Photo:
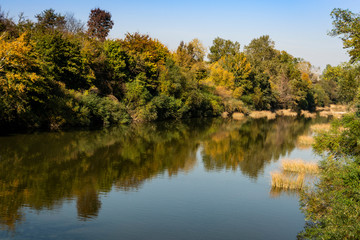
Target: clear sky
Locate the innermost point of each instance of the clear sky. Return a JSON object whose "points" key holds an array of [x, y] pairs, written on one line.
{"points": [[297, 26]]}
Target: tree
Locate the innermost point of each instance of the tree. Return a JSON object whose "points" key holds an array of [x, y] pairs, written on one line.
{"points": [[190, 53], [220, 76], [222, 48], [261, 49], [341, 82], [347, 25], [20, 84], [141, 54], [7, 24], [50, 20], [61, 59], [99, 24], [73, 25]]}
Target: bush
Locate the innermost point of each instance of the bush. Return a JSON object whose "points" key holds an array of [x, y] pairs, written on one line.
{"points": [[104, 110], [167, 107], [333, 206], [198, 104]]}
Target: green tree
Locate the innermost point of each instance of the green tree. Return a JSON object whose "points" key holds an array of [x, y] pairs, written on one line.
{"points": [[260, 49], [346, 25], [341, 82], [61, 59], [223, 48], [49, 20]]}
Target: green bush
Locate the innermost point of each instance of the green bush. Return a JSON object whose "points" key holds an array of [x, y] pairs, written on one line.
{"points": [[199, 103], [333, 206], [104, 110], [167, 107]]}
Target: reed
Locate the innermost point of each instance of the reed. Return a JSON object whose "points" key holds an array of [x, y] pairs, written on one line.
{"points": [[286, 112], [238, 116], [336, 111], [262, 114], [308, 114], [277, 192], [299, 166], [320, 127], [325, 113], [225, 115], [305, 141], [338, 108], [318, 109], [338, 114], [286, 181]]}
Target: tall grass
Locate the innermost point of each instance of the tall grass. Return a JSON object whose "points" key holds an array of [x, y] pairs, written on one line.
{"points": [[294, 175], [286, 112], [308, 114], [238, 116], [287, 181], [338, 108], [299, 166], [262, 114], [320, 127], [331, 113], [335, 111], [305, 141]]}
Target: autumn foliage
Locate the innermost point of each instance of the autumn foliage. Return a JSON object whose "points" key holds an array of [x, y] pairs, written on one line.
{"points": [[99, 24], [54, 74]]}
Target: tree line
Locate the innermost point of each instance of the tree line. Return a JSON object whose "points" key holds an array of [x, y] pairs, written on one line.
{"points": [[55, 73]]}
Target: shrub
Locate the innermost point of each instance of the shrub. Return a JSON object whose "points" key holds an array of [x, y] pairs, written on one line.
{"points": [[167, 107], [104, 110], [198, 104]]}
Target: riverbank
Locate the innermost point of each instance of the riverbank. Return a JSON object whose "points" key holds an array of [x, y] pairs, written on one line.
{"points": [[332, 111]]}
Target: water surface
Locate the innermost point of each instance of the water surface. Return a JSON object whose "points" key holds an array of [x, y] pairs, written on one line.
{"points": [[196, 179]]}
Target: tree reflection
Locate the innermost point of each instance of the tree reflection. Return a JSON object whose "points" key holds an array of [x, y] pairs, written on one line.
{"points": [[250, 145], [42, 170]]}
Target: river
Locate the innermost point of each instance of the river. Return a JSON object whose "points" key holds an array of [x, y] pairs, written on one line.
{"points": [[193, 179]]}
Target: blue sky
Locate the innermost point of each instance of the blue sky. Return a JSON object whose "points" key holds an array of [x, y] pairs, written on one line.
{"points": [[298, 27]]}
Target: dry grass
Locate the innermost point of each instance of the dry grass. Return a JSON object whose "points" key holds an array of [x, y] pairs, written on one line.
{"points": [[338, 114], [223, 92], [225, 115], [318, 109], [277, 192], [305, 141], [262, 114], [323, 127], [238, 116], [299, 166], [286, 112], [286, 181], [338, 108], [332, 113], [336, 111], [325, 114], [308, 114]]}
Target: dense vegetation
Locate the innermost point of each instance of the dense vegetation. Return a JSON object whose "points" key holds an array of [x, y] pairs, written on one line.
{"points": [[54, 73], [332, 206]]}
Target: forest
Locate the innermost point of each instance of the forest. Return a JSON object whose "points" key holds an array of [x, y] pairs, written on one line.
{"points": [[57, 72]]}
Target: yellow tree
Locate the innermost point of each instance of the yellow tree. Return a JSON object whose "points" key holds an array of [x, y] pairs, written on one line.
{"points": [[220, 76], [232, 72], [19, 82]]}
